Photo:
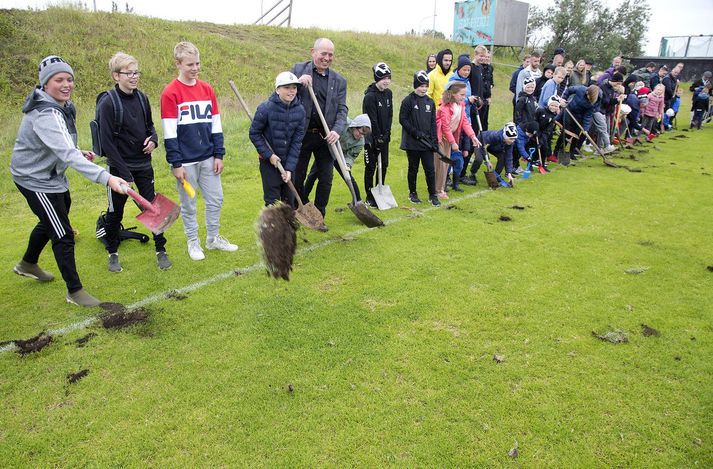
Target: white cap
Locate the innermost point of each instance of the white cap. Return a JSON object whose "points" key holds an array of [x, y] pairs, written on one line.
{"points": [[286, 78]]}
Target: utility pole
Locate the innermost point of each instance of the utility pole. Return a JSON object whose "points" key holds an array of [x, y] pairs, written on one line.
{"points": [[433, 30]]}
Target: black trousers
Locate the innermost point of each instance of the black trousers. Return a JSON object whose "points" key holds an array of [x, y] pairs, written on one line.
{"points": [[484, 112], [313, 143], [144, 183], [371, 158], [312, 177], [426, 160], [576, 144], [274, 188], [53, 212]]}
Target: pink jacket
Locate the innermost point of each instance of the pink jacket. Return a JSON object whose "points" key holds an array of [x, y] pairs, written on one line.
{"points": [[443, 123], [655, 106]]}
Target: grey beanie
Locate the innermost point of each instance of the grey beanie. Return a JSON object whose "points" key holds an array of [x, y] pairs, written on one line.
{"points": [[362, 120], [52, 65]]}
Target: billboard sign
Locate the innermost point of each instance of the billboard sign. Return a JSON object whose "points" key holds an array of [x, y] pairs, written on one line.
{"points": [[474, 22]]}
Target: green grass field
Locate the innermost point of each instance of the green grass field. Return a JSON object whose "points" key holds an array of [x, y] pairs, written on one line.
{"points": [[381, 349]]}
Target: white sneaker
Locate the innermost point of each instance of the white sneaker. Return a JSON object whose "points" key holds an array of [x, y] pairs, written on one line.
{"points": [[220, 243], [587, 147], [519, 170], [195, 251], [609, 149]]}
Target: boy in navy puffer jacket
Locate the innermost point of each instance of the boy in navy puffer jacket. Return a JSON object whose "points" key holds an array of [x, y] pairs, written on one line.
{"points": [[277, 129]]}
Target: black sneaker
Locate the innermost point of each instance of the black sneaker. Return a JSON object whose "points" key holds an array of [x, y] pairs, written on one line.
{"points": [[413, 197], [434, 201], [370, 202], [469, 180]]}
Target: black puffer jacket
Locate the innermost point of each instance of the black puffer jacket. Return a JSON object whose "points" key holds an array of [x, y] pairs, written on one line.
{"points": [[282, 126]]}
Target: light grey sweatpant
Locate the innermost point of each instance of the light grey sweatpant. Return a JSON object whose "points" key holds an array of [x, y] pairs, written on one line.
{"points": [[600, 123], [207, 183]]}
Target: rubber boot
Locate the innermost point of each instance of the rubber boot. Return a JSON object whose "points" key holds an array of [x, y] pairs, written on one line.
{"points": [[456, 183]]}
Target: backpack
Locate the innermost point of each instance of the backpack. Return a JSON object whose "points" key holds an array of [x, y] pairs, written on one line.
{"points": [[113, 95], [124, 233]]}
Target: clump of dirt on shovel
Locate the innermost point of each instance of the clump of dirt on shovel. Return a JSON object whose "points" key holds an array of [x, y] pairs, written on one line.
{"points": [[74, 377], [117, 316], [34, 344], [277, 236]]}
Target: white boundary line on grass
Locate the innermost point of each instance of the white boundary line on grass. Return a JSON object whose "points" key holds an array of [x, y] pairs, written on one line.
{"points": [[246, 270]]}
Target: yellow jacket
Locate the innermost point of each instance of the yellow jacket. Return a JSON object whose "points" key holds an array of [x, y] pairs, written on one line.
{"points": [[437, 84]]}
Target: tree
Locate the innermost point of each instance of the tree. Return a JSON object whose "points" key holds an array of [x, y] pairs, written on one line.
{"points": [[588, 29]]}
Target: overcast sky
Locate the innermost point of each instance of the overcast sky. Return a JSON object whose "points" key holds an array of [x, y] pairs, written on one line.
{"points": [[668, 17]]}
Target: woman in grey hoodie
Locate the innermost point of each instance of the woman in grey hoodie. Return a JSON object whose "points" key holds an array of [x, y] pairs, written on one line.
{"points": [[45, 147]]}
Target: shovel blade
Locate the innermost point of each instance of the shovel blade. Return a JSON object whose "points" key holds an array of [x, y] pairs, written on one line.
{"points": [[542, 170], [165, 213], [308, 215], [492, 180], [364, 215], [383, 197], [526, 174]]}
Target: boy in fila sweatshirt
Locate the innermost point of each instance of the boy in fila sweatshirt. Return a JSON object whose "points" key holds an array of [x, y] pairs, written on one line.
{"points": [[194, 147]]}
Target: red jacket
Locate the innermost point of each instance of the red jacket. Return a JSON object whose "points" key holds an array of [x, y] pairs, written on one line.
{"points": [[443, 123]]}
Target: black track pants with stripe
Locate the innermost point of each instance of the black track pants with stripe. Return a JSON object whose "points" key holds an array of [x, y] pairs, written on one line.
{"points": [[53, 212]]}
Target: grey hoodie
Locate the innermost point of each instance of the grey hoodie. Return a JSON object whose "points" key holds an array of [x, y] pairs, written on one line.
{"points": [[46, 145]]}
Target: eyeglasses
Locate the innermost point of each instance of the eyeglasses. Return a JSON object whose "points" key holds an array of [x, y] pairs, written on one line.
{"points": [[131, 74]]}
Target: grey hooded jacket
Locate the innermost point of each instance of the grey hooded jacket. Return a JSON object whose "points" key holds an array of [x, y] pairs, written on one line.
{"points": [[46, 145]]}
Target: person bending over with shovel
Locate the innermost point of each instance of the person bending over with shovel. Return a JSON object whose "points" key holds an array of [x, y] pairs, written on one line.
{"points": [[46, 145], [352, 142], [499, 143], [277, 129]]}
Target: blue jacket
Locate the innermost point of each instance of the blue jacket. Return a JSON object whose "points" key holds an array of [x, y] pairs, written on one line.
{"points": [[580, 106], [280, 125], [513, 79], [494, 141]]}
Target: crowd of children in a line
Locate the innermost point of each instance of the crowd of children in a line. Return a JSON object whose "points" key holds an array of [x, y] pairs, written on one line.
{"points": [[445, 115]]}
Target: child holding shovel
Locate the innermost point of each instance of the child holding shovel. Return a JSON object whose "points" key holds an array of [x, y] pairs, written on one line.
{"points": [[277, 129], [46, 145], [451, 120], [378, 105], [419, 136]]}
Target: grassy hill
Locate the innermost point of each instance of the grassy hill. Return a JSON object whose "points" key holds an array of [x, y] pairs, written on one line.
{"points": [[250, 55]]}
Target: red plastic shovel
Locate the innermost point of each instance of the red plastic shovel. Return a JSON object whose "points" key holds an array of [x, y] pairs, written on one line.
{"points": [[158, 215]]}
